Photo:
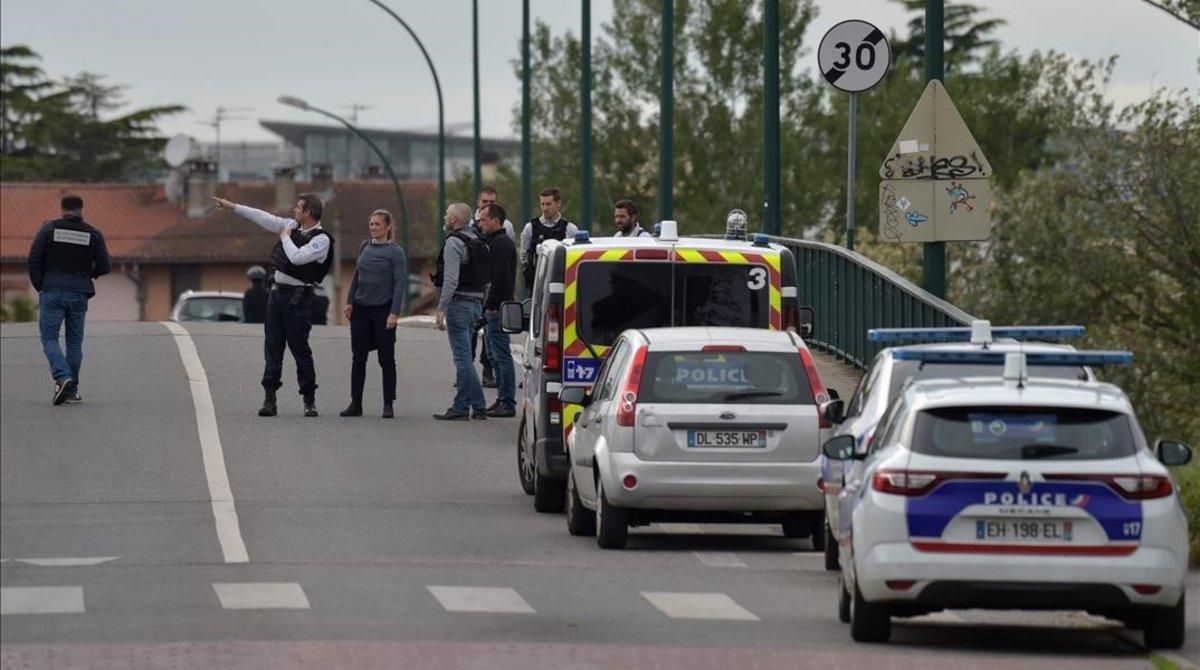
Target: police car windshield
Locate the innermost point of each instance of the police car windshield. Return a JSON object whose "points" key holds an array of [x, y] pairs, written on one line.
{"points": [[612, 297], [903, 371], [755, 377], [1023, 433]]}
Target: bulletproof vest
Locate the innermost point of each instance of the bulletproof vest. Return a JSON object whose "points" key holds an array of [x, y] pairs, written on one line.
{"points": [[309, 273], [539, 233], [70, 248], [474, 271]]}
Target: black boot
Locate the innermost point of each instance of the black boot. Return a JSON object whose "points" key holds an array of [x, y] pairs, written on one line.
{"points": [[387, 410], [355, 409], [310, 405], [268, 406]]}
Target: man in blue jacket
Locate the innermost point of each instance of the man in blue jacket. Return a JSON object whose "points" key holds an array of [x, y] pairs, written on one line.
{"points": [[66, 255]]}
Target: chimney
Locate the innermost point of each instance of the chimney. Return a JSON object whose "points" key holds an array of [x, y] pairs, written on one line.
{"points": [[201, 187], [322, 178], [285, 188]]}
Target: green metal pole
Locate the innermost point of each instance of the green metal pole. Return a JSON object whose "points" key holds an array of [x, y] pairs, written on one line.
{"points": [[666, 116], [475, 60], [526, 112], [935, 252], [771, 179], [585, 119]]}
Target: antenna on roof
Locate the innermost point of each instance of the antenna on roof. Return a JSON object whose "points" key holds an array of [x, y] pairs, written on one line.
{"points": [[220, 116]]}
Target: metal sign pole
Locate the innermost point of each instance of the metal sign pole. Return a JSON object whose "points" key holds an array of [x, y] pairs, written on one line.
{"points": [[851, 152]]}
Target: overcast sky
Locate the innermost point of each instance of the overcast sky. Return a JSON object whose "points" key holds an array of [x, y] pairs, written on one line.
{"points": [[205, 53]]}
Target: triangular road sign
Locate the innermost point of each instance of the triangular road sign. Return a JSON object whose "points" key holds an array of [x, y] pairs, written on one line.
{"points": [[935, 143]]}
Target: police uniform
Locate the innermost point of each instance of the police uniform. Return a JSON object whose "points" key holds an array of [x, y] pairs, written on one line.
{"points": [[301, 262], [66, 255], [534, 233]]}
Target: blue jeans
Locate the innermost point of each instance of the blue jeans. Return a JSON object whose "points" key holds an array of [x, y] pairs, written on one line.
{"points": [[56, 306], [500, 355], [461, 316]]}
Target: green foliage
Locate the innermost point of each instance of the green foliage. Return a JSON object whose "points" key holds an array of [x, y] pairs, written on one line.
{"points": [[19, 309], [1187, 480], [64, 130]]}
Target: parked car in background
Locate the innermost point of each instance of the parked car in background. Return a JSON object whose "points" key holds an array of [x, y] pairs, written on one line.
{"points": [[208, 306]]}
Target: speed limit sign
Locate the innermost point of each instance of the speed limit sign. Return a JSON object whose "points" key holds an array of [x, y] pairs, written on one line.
{"points": [[854, 55]]}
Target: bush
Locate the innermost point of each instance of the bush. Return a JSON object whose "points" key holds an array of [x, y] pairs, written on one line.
{"points": [[21, 308], [1187, 479]]}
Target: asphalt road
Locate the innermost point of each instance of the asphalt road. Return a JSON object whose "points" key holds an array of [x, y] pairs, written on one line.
{"points": [[402, 543]]}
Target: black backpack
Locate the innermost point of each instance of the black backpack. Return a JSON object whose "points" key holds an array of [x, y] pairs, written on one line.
{"points": [[476, 274]]}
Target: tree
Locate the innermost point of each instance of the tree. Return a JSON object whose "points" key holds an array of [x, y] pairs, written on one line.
{"points": [[967, 37], [63, 131]]}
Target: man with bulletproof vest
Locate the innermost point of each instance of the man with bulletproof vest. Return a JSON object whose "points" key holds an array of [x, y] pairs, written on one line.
{"points": [[625, 217], [66, 255], [254, 300], [551, 225], [462, 276], [301, 259]]}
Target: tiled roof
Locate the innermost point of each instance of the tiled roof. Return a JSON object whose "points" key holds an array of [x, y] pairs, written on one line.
{"points": [[140, 224]]}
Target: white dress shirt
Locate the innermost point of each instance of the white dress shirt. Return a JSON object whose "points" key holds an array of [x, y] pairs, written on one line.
{"points": [[315, 251]]}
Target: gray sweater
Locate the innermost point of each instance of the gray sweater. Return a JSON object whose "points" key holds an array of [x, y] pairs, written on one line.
{"points": [[381, 277]]}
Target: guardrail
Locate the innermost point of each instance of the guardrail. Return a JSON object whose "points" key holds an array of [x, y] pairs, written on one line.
{"points": [[850, 294]]}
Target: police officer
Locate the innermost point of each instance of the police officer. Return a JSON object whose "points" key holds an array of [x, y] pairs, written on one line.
{"points": [[551, 225], [301, 260], [254, 300], [66, 255], [625, 216]]}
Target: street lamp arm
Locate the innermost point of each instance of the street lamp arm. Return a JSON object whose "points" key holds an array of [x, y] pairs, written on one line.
{"points": [[436, 82]]}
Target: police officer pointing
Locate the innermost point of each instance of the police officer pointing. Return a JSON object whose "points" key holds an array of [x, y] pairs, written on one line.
{"points": [[66, 255], [301, 259]]}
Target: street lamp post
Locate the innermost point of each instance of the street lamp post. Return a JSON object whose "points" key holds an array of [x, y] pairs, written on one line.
{"points": [[437, 84], [387, 165]]}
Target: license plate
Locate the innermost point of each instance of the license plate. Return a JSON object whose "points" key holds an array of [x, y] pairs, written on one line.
{"points": [[1022, 530], [739, 439]]}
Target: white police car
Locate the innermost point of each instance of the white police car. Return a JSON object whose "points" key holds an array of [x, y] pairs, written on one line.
{"points": [[1011, 492], [887, 376]]}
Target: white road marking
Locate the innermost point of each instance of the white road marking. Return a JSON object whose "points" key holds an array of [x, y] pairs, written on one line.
{"points": [[719, 559], [480, 599], [41, 600], [680, 528], [66, 562], [261, 596], [698, 606], [224, 513], [940, 617]]}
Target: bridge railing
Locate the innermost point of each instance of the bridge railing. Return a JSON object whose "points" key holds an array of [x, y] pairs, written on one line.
{"points": [[850, 294]]}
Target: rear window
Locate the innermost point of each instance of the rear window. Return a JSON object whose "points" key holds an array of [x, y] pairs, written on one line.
{"points": [[212, 309], [1023, 433], [737, 378], [612, 297], [903, 371]]}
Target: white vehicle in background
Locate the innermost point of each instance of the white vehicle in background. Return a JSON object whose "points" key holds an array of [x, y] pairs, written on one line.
{"points": [[208, 306], [887, 376], [1013, 492], [698, 424]]}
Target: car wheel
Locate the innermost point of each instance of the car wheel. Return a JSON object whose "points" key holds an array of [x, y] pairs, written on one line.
{"points": [[843, 602], [549, 495], [816, 531], [831, 550], [869, 622], [612, 523], [525, 468], [580, 520], [1163, 628], [796, 526]]}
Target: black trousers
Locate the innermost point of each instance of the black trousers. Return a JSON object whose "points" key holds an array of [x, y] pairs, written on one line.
{"points": [[289, 320], [368, 330]]}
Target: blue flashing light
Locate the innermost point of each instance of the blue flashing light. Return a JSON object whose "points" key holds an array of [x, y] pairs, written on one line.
{"points": [[964, 334], [982, 357], [762, 239], [582, 237]]}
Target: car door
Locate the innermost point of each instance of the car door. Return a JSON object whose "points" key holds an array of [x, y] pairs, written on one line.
{"points": [[833, 471], [593, 423]]}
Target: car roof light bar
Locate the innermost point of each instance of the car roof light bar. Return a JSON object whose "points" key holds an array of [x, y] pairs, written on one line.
{"points": [[1065, 358], [974, 334]]}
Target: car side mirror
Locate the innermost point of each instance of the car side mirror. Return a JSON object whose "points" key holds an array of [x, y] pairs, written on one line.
{"points": [[575, 395], [840, 448], [833, 394], [1172, 452], [512, 317], [834, 411], [807, 318]]}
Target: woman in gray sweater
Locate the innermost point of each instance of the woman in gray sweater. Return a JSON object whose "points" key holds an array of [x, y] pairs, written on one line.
{"points": [[373, 307]]}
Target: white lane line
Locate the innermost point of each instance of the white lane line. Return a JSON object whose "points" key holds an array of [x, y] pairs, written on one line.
{"points": [[680, 528], [41, 600], [499, 600], [66, 562], [224, 514], [698, 606], [261, 596], [719, 559]]}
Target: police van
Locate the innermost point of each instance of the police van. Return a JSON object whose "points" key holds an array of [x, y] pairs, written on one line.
{"points": [[587, 291]]}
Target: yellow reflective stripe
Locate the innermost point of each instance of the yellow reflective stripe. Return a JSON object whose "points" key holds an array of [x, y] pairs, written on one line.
{"points": [[569, 412], [772, 260], [613, 255], [776, 299], [690, 255], [733, 257]]}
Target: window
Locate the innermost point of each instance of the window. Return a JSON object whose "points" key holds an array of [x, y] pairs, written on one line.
{"points": [[211, 309], [719, 294], [865, 387], [607, 378], [615, 296], [888, 430], [1023, 433], [750, 377]]}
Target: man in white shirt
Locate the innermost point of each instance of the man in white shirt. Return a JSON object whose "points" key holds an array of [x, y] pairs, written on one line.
{"points": [[301, 259]]}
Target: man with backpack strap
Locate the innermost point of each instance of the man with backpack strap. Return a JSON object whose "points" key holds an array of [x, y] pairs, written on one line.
{"points": [[552, 225], [464, 270]]}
